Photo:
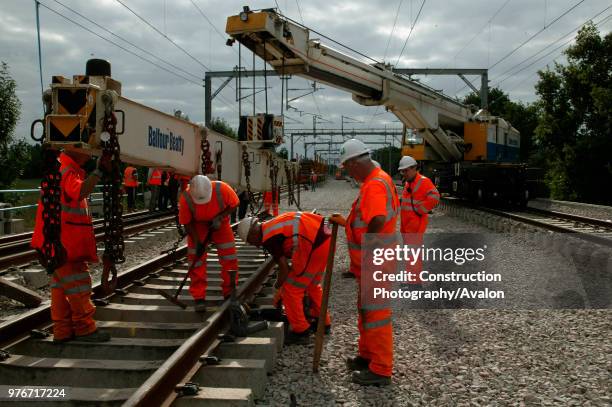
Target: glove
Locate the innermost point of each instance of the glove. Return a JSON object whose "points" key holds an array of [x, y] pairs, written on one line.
{"points": [[216, 222], [338, 219], [108, 286]]}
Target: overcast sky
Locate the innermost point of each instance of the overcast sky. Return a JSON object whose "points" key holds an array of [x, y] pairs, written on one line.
{"points": [[447, 34]]}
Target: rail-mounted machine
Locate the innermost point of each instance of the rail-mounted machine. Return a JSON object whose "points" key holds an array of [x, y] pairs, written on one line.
{"points": [[469, 154]]}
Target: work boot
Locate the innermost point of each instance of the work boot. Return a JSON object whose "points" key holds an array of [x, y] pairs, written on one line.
{"points": [[95, 336], [369, 378], [357, 363], [298, 338], [200, 306]]}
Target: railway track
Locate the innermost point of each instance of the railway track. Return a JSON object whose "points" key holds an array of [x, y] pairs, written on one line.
{"points": [[594, 230], [15, 249], [155, 345]]}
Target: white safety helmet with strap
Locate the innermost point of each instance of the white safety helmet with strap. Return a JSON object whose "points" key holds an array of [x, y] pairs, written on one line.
{"points": [[244, 227], [200, 189], [350, 149], [406, 162]]}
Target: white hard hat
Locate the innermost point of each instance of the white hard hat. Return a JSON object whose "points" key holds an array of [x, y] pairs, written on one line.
{"points": [[244, 227], [406, 162], [350, 149], [376, 163], [200, 189]]}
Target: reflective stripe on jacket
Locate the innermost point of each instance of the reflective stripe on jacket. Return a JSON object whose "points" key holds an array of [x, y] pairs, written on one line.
{"points": [[419, 197], [77, 235]]}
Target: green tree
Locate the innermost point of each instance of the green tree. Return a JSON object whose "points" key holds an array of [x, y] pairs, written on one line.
{"points": [[575, 125], [219, 125], [388, 157], [12, 155], [283, 153], [522, 116]]}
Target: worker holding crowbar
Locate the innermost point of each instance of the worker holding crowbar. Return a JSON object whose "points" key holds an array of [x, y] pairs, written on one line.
{"points": [[204, 209], [303, 238]]}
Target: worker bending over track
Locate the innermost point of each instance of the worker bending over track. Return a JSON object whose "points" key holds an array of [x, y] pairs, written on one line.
{"points": [[204, 209], [419, 197], [374, 212], [305, 239], [71, 307]]}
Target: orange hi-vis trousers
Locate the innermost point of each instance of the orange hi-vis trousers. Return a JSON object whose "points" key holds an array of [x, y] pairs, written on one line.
{"points": [[375, 336], [226, 250], [296, 286], [71, 307]]}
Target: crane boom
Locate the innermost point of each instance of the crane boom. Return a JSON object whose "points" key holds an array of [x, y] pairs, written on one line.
{"points": [[289, 49]]}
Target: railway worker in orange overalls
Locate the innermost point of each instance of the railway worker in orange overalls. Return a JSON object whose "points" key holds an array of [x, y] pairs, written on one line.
{"points": [[204, 209], [304, 238], [71, 308], [375, 211], [155, 180], [419, 197], [130, 183]]}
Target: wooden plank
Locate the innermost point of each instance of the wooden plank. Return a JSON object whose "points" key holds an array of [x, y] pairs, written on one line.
{"points": [[19, 293]]}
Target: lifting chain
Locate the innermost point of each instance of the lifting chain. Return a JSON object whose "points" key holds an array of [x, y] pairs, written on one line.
{"points": [[219, 163], [53, 253], [207, 164], [247, 176], [111, 193], [274, 180], [289, 175]]}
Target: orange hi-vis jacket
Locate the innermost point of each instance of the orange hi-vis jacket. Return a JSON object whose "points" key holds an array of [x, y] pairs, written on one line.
{"points": [[300, 230], [222, 196], [419, 197], [377, 197], [77, 235], [130, 177], [156, 177]]}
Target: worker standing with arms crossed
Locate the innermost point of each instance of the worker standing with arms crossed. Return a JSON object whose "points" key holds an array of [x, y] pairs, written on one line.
{"points": [[373, 212], [155, 180], [71, 307], [419, 197], [204, 209], [130, 183], [304, 238]]}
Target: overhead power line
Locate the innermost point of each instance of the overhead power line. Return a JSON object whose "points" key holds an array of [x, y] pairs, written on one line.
{"points": [[536, 34], [127, 41], [410, 32], [399, 6], [120, 46], [163, 35], [483, 27], [548, 46]]}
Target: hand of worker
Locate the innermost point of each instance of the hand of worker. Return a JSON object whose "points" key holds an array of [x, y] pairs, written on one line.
{"points": [[338, 219], [108, 269], [216, 222]]}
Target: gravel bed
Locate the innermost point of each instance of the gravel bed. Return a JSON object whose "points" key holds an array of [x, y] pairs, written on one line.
{"points": [[574, 208], [453, 357], [142, 249]]}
